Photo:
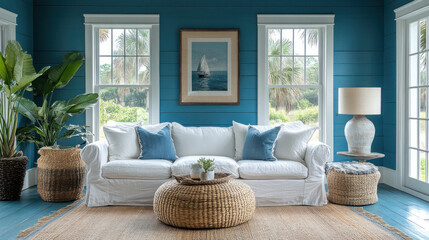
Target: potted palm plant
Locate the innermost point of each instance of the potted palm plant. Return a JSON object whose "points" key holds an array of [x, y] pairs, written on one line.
{"points": [[16, 74], [61, 171]]}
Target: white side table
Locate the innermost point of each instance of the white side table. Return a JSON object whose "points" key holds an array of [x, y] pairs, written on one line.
{"points": [[362, 157]]}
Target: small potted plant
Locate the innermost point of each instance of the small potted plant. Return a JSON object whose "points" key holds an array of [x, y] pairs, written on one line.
{"points": [[207, 166]]}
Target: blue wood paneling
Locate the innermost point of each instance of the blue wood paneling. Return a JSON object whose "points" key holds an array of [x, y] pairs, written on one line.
{"points": [[358, 46], [389, 83]]}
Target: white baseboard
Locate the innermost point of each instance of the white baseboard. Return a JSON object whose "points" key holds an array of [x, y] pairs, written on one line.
{"points": [[30, 178], [390, 177]]}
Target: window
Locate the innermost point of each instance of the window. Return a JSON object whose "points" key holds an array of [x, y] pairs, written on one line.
{"points": [[412, 104], [125, 70], [294, 67]]}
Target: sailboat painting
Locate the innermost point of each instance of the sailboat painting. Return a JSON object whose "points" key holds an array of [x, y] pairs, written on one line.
{"points": [[209, 66]]}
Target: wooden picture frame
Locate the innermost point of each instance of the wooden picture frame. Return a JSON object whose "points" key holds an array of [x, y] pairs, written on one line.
{"points": [[209, 66]]}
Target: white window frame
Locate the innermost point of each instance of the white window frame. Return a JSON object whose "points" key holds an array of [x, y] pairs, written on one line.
{"points": [[326, 99], [7, 33], [95, 21], [406, 14]]}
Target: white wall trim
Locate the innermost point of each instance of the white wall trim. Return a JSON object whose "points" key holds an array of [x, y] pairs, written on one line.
{"points": [[30, 179], [313, 19], [7, 17], [404, 15], [93, 21], [389, 177], [413, 8], [150, 19], [324, 22]]}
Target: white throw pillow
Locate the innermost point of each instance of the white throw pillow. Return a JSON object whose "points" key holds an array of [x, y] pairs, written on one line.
{"points": [[292, 142], [216, 141], [240, 131], [123, 139]]}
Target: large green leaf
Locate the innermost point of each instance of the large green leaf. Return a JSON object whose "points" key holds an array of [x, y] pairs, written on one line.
{"points": [[29, 109], [60, 75], [81, 102], [75, 61], [39, 84], [24, 72], [13, 49], [3, 71]]}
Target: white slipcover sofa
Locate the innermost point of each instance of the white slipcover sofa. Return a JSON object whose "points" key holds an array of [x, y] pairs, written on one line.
{"points": [[113, 181]]}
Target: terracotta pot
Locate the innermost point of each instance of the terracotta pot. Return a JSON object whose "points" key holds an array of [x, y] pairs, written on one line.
{"points": [[61, 174], [12, 174]]}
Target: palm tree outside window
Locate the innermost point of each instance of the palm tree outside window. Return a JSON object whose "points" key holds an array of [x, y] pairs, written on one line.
{"points": [[123, 75], [293, 75]]}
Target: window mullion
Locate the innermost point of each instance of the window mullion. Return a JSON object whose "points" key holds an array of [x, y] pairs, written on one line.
{"points": [[111, 58], [305, 58], [281, 59], [137, 58], [293, 56]]}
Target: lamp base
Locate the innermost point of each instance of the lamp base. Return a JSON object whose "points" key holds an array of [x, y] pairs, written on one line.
{"points": [[359, 132]]}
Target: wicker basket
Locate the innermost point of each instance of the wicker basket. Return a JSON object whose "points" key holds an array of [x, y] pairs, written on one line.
{"points": [[61, 174], [12, 174], [204, 206], [352, 189]]}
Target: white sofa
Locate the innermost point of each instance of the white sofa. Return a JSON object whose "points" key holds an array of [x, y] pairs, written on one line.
{"points": [[134, 182]]}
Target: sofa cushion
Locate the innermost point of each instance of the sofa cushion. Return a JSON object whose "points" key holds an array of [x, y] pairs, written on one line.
{"points": [[137, 169], [182, 165], [259, 145], [156, 145], [240, 131], [123, 141], [215, 141], [292, 142], [280, 169]]}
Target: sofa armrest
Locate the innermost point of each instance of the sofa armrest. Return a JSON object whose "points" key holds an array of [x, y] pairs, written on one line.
{"points": [[316, 156], [94, 155]]}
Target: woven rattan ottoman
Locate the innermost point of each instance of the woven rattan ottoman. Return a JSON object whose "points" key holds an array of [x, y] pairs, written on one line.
{"points": [[352, 183], [216, 205]]}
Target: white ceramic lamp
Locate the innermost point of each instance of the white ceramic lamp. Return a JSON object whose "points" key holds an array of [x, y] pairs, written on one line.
{"points": [[359, 130]]}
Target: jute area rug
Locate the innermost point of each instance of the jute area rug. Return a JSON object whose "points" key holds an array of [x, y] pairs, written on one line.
{"points": [[289, 222]]}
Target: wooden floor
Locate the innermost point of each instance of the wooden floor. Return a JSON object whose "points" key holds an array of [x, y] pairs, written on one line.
{"points": [[399, 209]]}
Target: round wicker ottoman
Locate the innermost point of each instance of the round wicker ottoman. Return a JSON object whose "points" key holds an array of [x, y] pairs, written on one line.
{"points": [[204, 206], [352, 183]]}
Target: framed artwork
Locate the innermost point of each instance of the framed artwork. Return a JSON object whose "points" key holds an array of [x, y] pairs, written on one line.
{"points": [[209, 66]]}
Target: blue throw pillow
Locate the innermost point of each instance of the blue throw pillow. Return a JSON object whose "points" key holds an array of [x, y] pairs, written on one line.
{"points": [[260, 145], [156, 145]]}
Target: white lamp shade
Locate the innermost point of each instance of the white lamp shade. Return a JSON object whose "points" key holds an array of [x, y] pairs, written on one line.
{"points": [[359, 101]]}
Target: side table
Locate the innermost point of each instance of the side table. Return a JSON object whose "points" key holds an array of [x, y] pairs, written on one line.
{"points": [[362, 157], [352, 183]]}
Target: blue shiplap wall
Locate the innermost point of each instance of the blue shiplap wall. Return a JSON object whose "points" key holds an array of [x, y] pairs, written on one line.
{"points": [[24, 34], [389, 84], [358, 48]]}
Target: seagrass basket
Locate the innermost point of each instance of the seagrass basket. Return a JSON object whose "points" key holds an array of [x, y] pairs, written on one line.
{"points": [[12, 174], [220, 205], [352, 189], [61, 174]]}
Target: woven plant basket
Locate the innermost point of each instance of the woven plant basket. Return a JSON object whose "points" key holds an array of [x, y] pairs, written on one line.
{"points": [[12, 174], [60, 174], [204, 206], [352, 189]]}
